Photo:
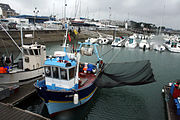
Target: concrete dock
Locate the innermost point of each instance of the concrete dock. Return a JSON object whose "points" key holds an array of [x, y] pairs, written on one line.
{"points": [[8, 111]]}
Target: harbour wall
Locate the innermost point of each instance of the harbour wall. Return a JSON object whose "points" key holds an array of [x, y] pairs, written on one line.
{"points": [[44, 36]]}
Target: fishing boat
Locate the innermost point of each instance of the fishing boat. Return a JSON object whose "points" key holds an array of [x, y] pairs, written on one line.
{"points": [[144, 44], [172, 99], [131, 42], [118, 42], [69, 82], [28, 66]]}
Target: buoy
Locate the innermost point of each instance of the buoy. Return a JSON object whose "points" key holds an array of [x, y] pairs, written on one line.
{"points": [[76, 99], [170, 84], [162, 90]]}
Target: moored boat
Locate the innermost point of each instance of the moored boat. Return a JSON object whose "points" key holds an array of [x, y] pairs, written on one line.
{"points": [[103, 41], [118, 42], [68, 82], [172, 99], [172, 46], [29, 65], [131, 42], [144, 44]]}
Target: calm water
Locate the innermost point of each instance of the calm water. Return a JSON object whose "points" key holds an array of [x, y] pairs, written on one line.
{"points": [[124, 103]]}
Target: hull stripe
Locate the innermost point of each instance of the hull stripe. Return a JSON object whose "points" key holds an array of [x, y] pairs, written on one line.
{"points": [[51, 101]]}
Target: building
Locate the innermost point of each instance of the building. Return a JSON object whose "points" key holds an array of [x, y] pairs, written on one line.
{"points": [[35, 19], [1, 13], [6, 11]]}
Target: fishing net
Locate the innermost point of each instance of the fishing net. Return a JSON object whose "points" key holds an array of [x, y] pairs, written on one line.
{"points": [[129, 73]]}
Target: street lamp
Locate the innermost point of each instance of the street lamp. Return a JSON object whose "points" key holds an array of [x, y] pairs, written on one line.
{"points": [[36, 11]]}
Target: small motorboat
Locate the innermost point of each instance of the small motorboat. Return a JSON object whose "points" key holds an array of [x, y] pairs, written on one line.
{"points": [[131, 42], [144, 44], [118, 42]]}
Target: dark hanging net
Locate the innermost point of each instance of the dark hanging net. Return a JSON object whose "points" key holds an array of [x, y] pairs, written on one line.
{"points": [[129, 73]]}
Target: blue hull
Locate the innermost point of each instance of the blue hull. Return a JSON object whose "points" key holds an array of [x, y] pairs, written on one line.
{"points": [[57, 101], [58, 107]]}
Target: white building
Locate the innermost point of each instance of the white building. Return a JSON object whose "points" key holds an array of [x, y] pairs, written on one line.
{"points": [[1, 13]]}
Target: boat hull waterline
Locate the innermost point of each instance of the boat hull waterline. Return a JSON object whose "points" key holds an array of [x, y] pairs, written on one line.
{"points": [[64, 100]]}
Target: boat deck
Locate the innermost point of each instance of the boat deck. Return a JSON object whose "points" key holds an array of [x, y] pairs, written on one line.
{"points": [[170, 105], [86, 79]]}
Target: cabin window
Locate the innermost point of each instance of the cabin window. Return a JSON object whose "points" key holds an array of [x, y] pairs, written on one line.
{"points": [[55, 72], [63, 74], [71, 73], [48, 71], [31, 52], [25, 51], [117, 39], [39, 51], [36, 51]]}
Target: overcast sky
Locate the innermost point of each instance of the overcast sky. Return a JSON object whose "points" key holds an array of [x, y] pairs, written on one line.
{"points": [[159, 12]]}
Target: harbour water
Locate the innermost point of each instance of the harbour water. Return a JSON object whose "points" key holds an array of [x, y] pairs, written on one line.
{"points": [[122, 103]]}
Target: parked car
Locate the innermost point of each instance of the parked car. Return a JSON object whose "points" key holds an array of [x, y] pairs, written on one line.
{"points": [[12, 25]]}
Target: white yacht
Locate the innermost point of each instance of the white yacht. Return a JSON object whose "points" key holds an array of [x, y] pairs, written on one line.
{"points": [[103, 41], [118, 42], [92, 40], [144, 44], [131, 42], [173, 46]]}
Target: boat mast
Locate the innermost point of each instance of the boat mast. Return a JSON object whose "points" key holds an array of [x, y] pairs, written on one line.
{"points": [[22, 41], [66, 26]]}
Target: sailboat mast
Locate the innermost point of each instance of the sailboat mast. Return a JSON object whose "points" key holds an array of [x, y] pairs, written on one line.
{"points": [[22, 41], [66, 26]]}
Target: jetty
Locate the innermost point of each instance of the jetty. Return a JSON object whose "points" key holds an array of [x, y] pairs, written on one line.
{"points": [[7, 105], [8, 112], [170, 105]]}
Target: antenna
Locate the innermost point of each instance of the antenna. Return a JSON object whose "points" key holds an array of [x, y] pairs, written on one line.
{"points": [[36, 11], [109, 15], [65, 10]]}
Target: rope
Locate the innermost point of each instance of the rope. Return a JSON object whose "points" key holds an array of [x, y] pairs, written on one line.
{"points": [[106, 52], [110, 61]]}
